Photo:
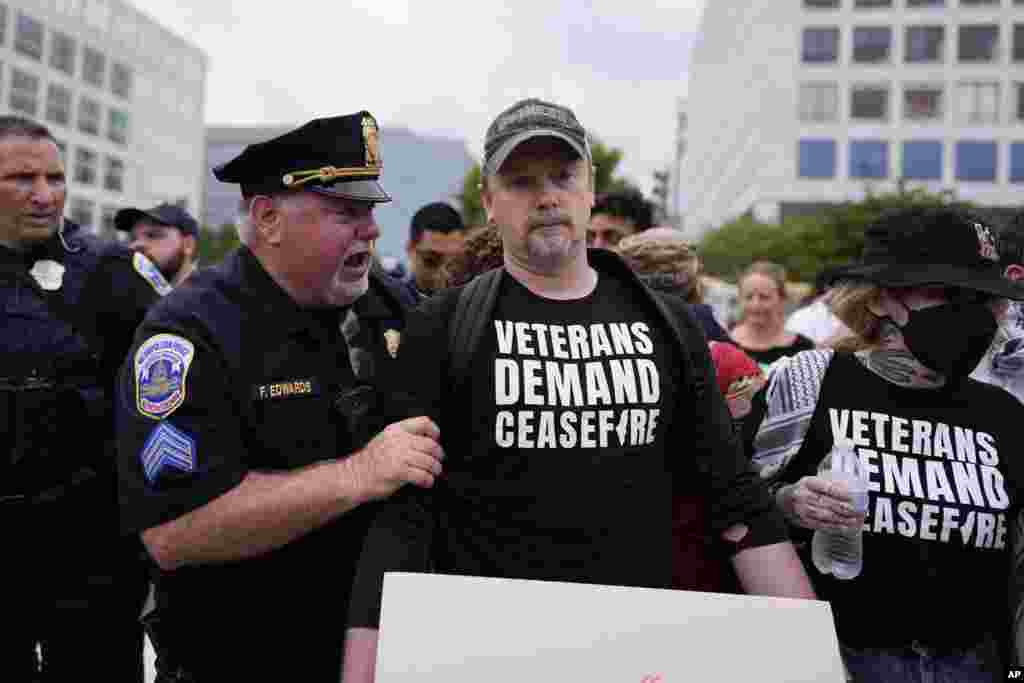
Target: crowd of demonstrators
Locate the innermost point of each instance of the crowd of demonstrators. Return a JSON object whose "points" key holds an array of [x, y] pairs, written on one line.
{"points": [[242, 462], [436, 235], [815, 319], [556, 307], [167, 235], [939, 447], [1003, 365], [761, 331], [73, 587], [617, 215]]}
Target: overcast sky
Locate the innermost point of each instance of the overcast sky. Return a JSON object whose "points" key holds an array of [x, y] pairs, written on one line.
{"points": [[447, 67]]}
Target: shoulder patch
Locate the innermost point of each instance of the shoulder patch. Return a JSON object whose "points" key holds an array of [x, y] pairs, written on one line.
{"points": [[167, 447], [161, 368], [149, 272]]}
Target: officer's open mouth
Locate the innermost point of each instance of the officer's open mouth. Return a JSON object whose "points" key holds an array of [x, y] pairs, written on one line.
{"points": [[357, 260]]}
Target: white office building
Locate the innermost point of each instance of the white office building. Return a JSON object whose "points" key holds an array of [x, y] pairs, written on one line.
{"points": [[124, 96], [799, 103]]}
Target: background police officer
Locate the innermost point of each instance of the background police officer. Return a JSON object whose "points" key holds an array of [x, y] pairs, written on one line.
{"points": [[73, 588], [237, 467]]}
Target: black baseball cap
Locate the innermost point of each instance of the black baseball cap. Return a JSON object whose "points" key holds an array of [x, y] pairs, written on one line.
{"points": [[337, 156], [916, 247], [165, 214], [529, 119]]}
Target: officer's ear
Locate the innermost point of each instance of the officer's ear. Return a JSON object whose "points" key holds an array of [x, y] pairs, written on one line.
{"points": [[265, 215], [188, 244]]}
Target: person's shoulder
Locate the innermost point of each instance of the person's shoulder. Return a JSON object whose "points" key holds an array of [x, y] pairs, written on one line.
{"points": [[398, 293], [802, 343]]}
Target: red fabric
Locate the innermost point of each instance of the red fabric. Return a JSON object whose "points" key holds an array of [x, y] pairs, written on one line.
{"points": [[731, 365]]}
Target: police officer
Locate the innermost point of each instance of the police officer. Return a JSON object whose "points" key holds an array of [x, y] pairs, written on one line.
{"points": [[241, 461], [73, 587]]}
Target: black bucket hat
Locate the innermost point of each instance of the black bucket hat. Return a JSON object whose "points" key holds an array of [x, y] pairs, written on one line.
{"points": [[918, 247]]}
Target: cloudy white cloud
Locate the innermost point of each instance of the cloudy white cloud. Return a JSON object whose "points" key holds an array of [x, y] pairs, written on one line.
{"points": [[447, 67]]}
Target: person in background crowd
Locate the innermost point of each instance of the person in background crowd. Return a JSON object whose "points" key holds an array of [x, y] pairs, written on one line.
{"points": [[940, 450], [166, 234], [815, 320], [482, 252], [667, 263], [244, 463], [617, 215], [73, 586], [552, 304], [435, 237], [761, 332], [1003, 365]]}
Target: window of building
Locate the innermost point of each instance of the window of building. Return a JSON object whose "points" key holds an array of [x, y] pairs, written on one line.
{"points": [[28, 36], [977, 102], [1017, 162], [869, 102], [976, 161], [817, 158], [24, 95], [924, 44], [58, 104], [922, 102], [1018, 42], [107, 215], [871, 44], [82, 211], [85, 166], [121, 80], [94, 67], [62, 52], [978, 43], [88, 115], [3, 24], [869, 159], [872, 3], [820, 45], [113, 179], [821, 4], [1019, 110], [922, 160], [819, 102], [926, 3], [117, 126], [978, 3]]}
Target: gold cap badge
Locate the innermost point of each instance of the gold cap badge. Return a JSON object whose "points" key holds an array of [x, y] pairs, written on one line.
{"points": [[392, 338]]}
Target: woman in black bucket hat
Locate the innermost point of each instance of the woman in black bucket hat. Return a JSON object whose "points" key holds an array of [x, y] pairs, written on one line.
{"points": [[942, 452]]}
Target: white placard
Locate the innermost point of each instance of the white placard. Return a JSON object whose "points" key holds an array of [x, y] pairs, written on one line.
{"points": [[456, 629]]}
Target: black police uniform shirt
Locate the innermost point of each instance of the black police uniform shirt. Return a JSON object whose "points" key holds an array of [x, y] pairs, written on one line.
{"points": [[945, 480], [561, 465], [229, 375], [70, 309]]}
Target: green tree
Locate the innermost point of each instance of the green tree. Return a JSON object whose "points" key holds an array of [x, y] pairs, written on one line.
{"points": [[213, 245], [806, 244], [473, 213]]}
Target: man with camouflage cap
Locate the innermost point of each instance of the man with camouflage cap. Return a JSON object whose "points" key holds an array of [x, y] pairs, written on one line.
{"points": [[242, 463]]}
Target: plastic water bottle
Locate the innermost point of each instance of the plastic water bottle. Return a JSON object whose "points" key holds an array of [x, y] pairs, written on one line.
{"points": [[840, 551]]}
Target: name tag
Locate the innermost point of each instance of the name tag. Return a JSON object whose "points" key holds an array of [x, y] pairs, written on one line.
{"points": [[292, 388]]}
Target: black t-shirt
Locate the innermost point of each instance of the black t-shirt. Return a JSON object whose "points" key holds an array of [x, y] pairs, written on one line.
{"points": [[944, 485], [766, 357], [563, 451]]}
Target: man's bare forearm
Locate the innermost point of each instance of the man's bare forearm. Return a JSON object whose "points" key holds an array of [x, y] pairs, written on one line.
{"points": [[360, 664], [773, 570], [265, 511]]}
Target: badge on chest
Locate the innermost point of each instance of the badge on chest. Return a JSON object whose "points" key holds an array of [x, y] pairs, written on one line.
{"points": [[49, 274]]}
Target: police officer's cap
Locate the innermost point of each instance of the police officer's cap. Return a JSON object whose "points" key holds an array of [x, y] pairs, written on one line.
{"points": [[337, 157]]}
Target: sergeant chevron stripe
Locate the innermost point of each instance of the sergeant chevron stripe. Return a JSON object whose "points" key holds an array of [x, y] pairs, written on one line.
{"points": [[167, 446]]}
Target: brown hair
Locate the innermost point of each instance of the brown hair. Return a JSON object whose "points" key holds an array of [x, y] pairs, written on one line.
{"points": [[665, 261], [481, 252], [850, 301], [772, 271]]}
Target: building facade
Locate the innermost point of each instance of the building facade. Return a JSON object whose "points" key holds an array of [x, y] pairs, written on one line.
{"points": [[418, 169], [123, 95], [802, 103]]}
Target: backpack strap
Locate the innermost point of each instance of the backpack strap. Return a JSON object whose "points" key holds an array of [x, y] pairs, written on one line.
{"points": [[472, 313]]}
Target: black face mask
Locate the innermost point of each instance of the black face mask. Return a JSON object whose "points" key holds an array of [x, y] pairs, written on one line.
{"points": [[950, 338]]}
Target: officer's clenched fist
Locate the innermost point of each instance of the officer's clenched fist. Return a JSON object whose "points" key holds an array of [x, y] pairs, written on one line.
{"points": [[406, 452]]}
